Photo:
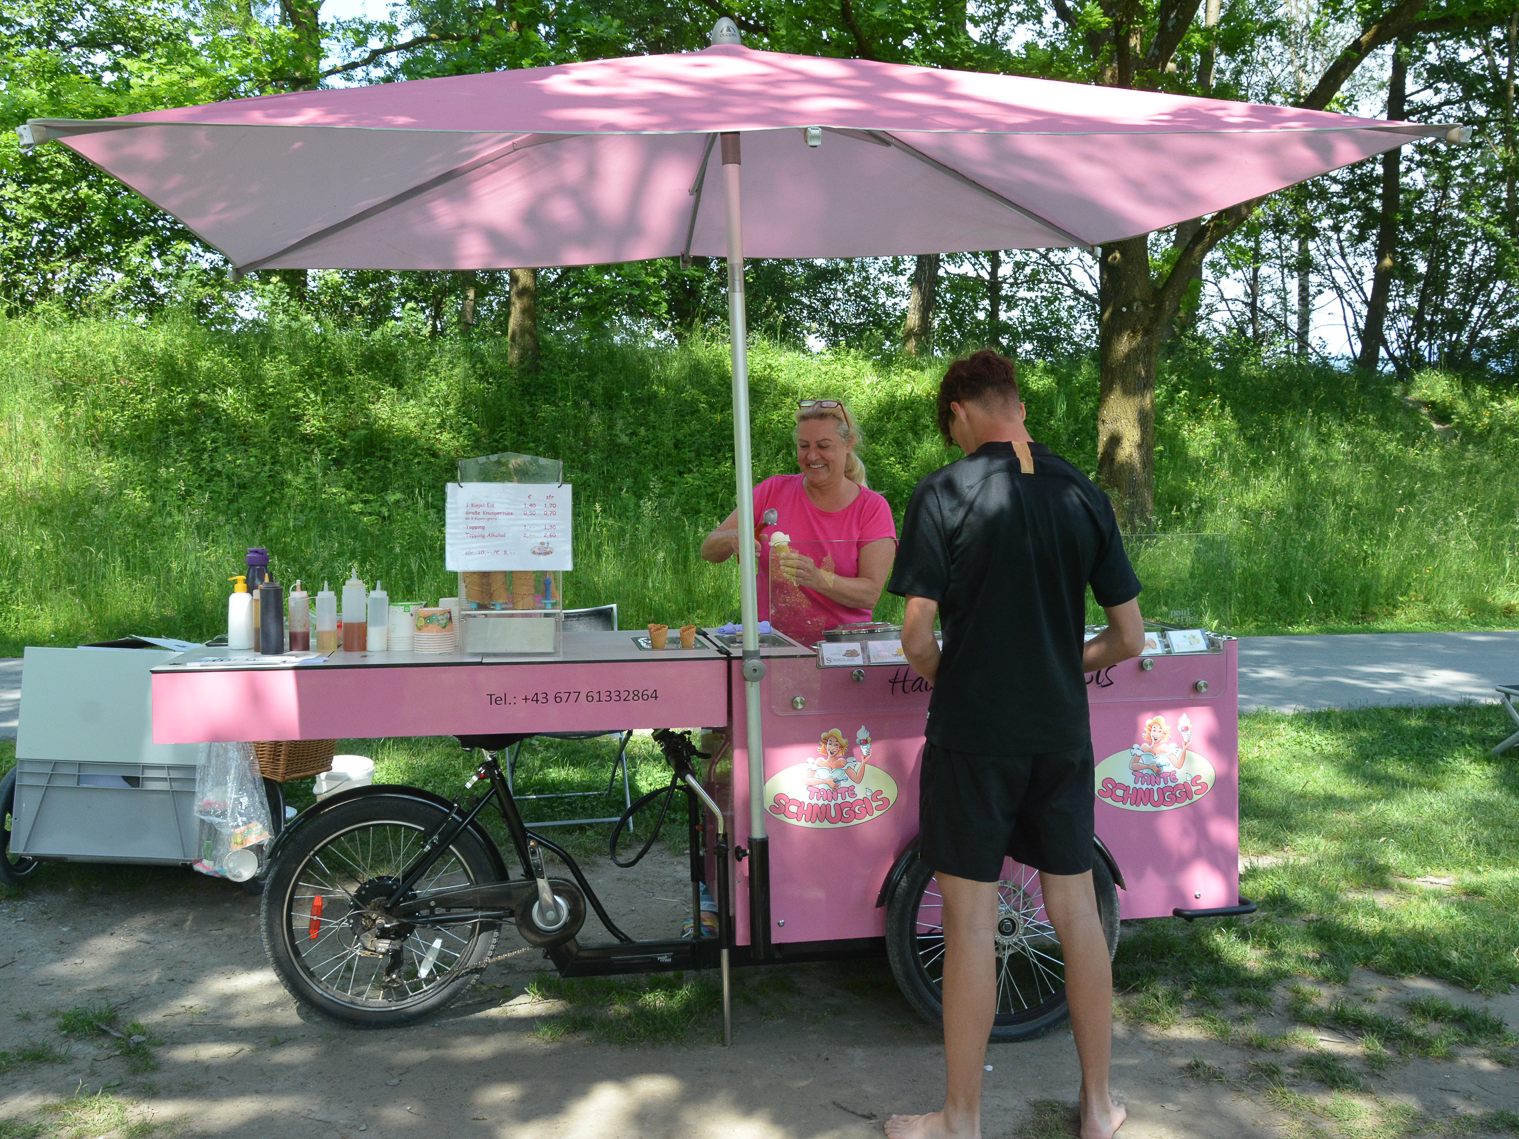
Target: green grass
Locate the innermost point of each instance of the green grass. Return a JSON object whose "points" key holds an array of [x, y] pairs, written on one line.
{"points": [[1381, 845], [44, 1052], [131, 1041], [659, 1008], [138, 463], [86, 1115]]}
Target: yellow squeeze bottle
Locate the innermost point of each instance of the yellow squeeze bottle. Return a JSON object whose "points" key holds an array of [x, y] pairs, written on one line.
{"points": [[240, 615]]}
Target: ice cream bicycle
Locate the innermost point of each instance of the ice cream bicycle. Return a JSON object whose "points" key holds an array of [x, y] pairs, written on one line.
{"points": [[383, 903]]}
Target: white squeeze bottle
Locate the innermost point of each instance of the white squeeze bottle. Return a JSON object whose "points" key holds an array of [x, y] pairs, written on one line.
{"points": [[326, 620], [354, 616], [379, 619], [240, 615], [300, 619]]}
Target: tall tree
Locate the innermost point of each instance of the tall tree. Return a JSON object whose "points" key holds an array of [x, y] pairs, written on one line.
{"points": [[1132, 44], [1372, 329], [918, 328]]}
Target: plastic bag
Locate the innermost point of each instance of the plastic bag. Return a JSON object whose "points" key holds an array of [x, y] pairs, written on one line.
{"points": [[233, 810]]}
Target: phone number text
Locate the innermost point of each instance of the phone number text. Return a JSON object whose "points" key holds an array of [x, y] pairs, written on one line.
{"points": [[575, 696]]}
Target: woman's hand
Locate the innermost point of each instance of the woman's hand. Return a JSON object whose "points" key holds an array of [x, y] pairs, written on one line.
{"points": [[804, 571]]}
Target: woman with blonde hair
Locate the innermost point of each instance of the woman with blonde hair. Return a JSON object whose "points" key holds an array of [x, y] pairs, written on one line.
{"points": [[825, 557]]}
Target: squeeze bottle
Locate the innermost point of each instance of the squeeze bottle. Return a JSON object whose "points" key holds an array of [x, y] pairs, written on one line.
{"points": [[354, 615], [326, 620], [300, 619], [271, 617], [258, 569], [378, 631], [240, 615]]}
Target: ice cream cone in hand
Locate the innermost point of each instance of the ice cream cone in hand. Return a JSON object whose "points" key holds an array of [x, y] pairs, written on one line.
{"points": [[780, 546]]}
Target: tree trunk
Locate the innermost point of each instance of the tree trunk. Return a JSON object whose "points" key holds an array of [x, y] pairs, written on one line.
{"points": [[1128, 342], [522, 326], [1186, 316], [918, 331], [470, 288], [1510, 197], [1255, 290], [303, 19], [1303, 270], [1373, 330], [993, 296]]}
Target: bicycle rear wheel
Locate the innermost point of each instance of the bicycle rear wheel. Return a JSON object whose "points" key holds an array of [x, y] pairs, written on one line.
{"points": [[325, 923], [1031, 993]]}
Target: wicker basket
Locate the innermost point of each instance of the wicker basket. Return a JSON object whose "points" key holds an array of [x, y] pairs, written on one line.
{"points": [[284, 760]]}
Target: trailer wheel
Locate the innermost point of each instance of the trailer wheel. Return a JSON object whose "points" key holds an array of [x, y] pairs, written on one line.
{"points": [[1031, 996], [13, 867]]}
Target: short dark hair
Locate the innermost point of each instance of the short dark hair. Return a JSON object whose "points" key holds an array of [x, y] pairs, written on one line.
{"points": [[985, 376]]}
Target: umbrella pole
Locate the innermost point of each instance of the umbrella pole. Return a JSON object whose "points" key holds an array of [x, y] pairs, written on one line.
{"points": [[754, 667]]}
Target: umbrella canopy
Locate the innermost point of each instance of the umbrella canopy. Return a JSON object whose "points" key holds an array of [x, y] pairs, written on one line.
{"points": [[613, 160]]}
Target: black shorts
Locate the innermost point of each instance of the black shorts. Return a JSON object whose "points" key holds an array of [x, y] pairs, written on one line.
{"points": [[975, 809]]}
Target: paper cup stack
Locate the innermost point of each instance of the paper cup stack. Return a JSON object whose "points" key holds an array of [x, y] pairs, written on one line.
{"points": [[433, 631], [402, 625]]}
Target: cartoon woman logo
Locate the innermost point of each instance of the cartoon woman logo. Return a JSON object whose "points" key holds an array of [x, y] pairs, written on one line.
{"points": [[834, 766], [1155, 754], [1156, 773], [834, 787]]}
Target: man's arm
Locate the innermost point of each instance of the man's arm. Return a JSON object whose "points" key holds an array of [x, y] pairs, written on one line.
{"points": [[1123, 638], [918, 643]]}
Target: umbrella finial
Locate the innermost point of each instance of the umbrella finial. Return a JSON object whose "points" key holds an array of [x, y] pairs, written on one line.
{"points": [[725, 31]]}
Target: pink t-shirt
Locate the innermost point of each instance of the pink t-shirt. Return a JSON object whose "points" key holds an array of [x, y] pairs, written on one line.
{"points": [[832, 539]]}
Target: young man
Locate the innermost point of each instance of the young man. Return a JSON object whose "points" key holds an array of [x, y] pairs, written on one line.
{"points": [[1001, 547]]}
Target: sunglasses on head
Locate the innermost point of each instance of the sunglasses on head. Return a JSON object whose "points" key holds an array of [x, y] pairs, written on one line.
{"points": [[820, 404]]}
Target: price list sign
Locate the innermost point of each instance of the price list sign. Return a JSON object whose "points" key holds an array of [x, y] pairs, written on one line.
{"points": [[508, 526]]}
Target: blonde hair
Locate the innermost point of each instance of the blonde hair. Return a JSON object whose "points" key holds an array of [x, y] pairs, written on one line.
{"points": [[849, 435]]}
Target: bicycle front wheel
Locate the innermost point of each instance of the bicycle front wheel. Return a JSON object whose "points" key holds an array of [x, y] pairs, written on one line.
{"points": [[328, 933]]}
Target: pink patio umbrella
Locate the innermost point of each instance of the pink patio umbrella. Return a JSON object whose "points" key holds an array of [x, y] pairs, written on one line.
{"points": [[628, 159]]}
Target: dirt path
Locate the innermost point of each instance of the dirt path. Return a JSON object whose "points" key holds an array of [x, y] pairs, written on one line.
{"points": [[819, 1050]]}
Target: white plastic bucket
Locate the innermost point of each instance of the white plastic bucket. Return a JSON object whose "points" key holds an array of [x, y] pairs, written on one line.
{"points": [[347, 771]]}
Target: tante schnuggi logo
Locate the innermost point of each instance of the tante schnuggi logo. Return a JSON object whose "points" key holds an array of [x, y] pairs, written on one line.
{"points": [[1158, 772], [837, 787]]}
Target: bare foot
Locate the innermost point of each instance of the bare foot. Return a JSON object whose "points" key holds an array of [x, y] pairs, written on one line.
{"points": [[932, 1126], [1101, 1124]]}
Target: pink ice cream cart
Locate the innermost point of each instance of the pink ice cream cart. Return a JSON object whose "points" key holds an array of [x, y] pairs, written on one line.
{"points": [[382, 903]]}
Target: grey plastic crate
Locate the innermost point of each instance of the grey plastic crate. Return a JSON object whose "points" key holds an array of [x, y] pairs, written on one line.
{"points": [[106, 812]]}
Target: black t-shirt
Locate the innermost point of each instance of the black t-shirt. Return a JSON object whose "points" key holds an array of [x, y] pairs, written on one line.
{"points": [[1008, 556]]}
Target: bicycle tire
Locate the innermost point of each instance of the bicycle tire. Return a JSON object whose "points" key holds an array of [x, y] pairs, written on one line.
{"points": [[323, 922], [1031, 994]]}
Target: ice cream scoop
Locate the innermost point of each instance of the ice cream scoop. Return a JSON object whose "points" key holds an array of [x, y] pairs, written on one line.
{"points": [[769, 518]]}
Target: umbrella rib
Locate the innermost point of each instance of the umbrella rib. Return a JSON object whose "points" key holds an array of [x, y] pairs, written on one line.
{"points": [[985, 191], [695, 192], [522, 142]]}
